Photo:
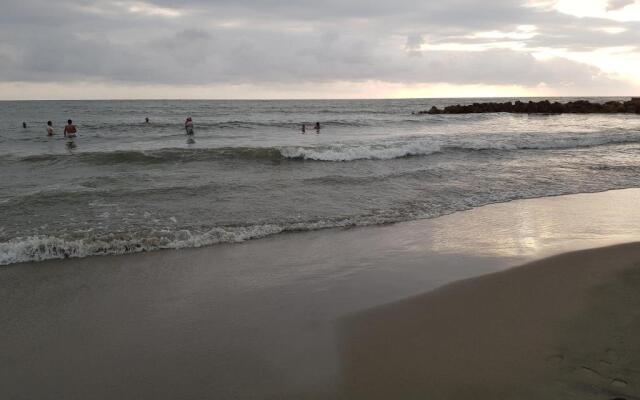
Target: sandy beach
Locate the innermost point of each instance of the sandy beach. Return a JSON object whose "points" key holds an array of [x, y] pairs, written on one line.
{"points": [[561, 328], [344, 313]]}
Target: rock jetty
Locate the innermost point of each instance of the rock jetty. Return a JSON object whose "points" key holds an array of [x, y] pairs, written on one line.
{"points": [[542, 107]]}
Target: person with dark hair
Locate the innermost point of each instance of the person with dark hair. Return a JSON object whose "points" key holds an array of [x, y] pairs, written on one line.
{"points": [[146, 120], [317, 127], [304, 128], [49, 128], [70, 130], [24, 125], [188, 126]]}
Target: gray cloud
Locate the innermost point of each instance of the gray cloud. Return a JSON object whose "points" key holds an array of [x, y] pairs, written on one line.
{"points": [[618, 4], [286, 41]]}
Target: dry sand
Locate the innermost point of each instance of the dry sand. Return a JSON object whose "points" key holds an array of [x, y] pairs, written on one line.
{"points": [[567, 327]]}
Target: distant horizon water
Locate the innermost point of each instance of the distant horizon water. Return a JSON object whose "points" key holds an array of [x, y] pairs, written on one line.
{"points": [[463, 98]]}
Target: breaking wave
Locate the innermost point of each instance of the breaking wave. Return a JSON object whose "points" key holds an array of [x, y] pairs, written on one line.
{"points": [[47, 247], [408, 147], [425, 147], [39, 248], [43, 247], [360, 152]]}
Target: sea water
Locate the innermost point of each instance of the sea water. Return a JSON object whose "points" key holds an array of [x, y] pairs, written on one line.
{"points": [[128, 186]]}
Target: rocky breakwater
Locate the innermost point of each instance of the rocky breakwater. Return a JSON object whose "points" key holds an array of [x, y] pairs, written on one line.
{"points": [[542, 107]]}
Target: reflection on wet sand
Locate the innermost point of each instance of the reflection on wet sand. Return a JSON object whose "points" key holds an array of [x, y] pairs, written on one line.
{"points": [[538, 228]]}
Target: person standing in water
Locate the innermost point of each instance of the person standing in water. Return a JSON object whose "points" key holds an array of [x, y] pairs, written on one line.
{"points": [[70, 130], [24, 125], [317, 127], [188, 126], [49, 128], [146, 120], [304, 128]]}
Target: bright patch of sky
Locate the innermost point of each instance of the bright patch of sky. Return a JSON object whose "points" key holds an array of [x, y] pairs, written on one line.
{"points": [[614, 10]]}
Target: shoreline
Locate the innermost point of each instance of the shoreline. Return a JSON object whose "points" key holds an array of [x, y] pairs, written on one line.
{"points": [[562, 327], [261, 319], [262, 232]]}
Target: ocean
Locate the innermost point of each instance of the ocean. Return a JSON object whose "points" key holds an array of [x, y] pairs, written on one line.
{"points": [[126, 186]]}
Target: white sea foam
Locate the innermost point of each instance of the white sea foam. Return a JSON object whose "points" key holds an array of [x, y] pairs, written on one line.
{"points": [[423, 147], [39, 248], [362, 152]]}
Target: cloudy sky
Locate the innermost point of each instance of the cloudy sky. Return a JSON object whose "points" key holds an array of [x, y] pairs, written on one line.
{"points": [[317, 49]]}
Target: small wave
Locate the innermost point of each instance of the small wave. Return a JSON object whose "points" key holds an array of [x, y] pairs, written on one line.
{"points": [[340, 152], [160, 156], [353, 111], [40, 248], [425, 147], [361, 152], [46, 247], [345, 180], [622, 168], [102, 188]]}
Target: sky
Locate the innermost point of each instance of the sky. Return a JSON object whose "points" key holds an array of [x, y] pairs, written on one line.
{"points": [[290, 49]]}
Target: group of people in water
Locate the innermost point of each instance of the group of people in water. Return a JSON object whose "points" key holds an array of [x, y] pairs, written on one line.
{"points": [[71, 131], [316, 127]]}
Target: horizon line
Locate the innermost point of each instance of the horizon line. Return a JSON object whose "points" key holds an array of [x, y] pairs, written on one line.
{"points": [[324, 99]]}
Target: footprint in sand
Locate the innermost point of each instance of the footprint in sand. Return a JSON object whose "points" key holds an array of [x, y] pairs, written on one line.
{"points": [[605, 363], [555, 359], [619, 383], [590, 373]]}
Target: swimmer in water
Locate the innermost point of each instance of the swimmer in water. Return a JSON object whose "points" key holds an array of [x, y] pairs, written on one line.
{"points": [[70, 130], [317, 127], [24, 125], [188, 126], [304, 128], [49, 128], [146, 120]]}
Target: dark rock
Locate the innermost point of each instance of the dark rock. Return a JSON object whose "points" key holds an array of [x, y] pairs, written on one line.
{"points": [[542, 107], [613, 107], [434, 110], [557, 108]]}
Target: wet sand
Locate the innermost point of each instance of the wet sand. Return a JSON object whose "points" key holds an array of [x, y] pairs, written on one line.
{"points": [[266, 319], [561, 328]]}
